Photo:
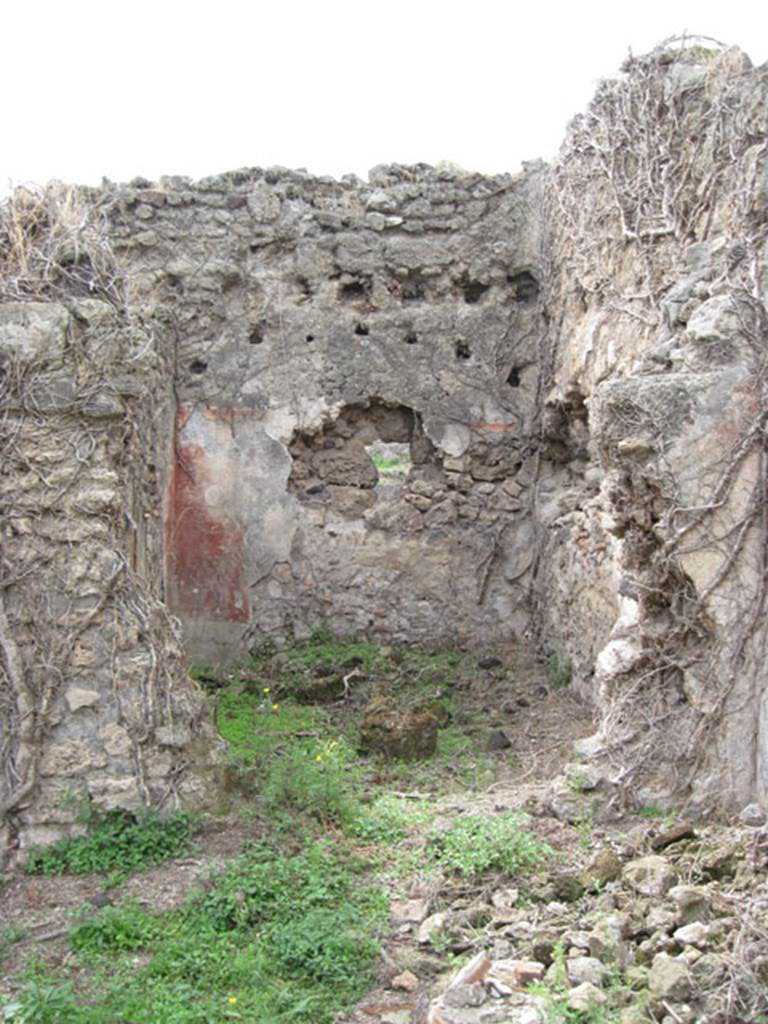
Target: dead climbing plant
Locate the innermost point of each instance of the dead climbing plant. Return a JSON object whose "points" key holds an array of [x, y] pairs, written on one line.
{"points": [[674, 153], [78, 497], [54, 244]]}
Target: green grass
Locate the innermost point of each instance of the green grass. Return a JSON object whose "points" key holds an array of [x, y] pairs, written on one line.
{"points": [[256, 725], [390, 465], [276, 938], [478, 844], [389, 818], [330, 651], [116, 840], [559, 670], [289, 931]]}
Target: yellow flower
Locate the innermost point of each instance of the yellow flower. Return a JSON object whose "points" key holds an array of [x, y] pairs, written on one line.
{"points": [[232, 1000], [266, 689], [275, 707], [318, 758]]}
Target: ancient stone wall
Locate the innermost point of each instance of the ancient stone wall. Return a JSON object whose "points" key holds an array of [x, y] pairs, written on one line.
{"points": [[308, 320], [95, 706], [654, 583]]}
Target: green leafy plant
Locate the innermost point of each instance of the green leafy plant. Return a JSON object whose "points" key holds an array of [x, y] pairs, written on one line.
{"points": [[8, 935], [388, 819], [559, 670], [256, 725], [114, 929], [664, 817], [43, 1003], [313, 777], [119, 840], [277, 937], [477, 844]]}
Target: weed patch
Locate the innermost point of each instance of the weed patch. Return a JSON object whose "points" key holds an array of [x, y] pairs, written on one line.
{"points": [[477, 844], [116, 840], [559, 670], [276, 938]]}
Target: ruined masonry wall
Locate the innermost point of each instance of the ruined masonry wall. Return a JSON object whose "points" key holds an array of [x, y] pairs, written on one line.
{"points": [[654, 583], [309, 319], [96, 707], [573, 360]]}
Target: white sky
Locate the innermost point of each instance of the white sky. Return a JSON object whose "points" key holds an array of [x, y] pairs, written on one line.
{"points": [[138, 88]]}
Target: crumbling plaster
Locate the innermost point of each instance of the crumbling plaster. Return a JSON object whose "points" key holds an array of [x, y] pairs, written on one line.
{"points": [[290, 302]]}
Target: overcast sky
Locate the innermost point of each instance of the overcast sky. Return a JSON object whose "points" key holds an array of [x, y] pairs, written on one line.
{"points": [[92, 89]]}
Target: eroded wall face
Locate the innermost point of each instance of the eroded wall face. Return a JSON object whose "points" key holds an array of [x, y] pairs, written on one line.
{"points": [[96, 709], [311, 320], [654, 583]]}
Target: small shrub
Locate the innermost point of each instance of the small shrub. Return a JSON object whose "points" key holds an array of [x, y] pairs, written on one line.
{"points": [[476, 844], [325, 944], [114, 930], [315, 778], [116, 840], [41, 1002], [559, 670]]}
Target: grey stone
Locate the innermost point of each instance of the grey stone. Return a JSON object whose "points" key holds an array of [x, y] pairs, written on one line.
{"points": [[585, 997], [606, 866], [650, 876], [77, 697], [433, 925], [606, 941], [694, 934], [669, 978], [753, 814], [580, 969], [692, 903]]}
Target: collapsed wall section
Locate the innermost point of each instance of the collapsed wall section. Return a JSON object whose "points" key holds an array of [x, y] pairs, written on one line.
{"points": [[655, 582], [310, 320]]}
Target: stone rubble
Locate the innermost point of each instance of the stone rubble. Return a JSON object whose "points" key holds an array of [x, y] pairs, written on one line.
{"points": [[627, 945]]}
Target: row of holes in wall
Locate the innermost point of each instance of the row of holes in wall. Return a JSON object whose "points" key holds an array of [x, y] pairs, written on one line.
{"points": [[524, 287], [462, 349]]}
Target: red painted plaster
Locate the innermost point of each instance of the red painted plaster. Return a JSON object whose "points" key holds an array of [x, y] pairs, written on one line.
{"points": [[206, 555]]}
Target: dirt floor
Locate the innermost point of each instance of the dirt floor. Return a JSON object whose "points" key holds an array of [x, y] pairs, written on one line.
{"points": [[515, 696]]}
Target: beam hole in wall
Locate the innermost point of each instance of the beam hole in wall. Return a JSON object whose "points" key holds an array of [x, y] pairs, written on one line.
{"points": [[362, 330], [412, 289], [354, 291], [473, 290], [463, 350], [256, 334], [411, 338], [198, 366], [513, 377], [305, 289], [525, 287], [310, 337]]}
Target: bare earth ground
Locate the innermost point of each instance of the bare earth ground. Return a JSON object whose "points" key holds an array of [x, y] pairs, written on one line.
{"points": [[541, 723]]}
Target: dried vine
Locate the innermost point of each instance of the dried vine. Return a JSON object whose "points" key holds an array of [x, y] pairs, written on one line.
{"points": [[80, 598], [669, 156]]}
